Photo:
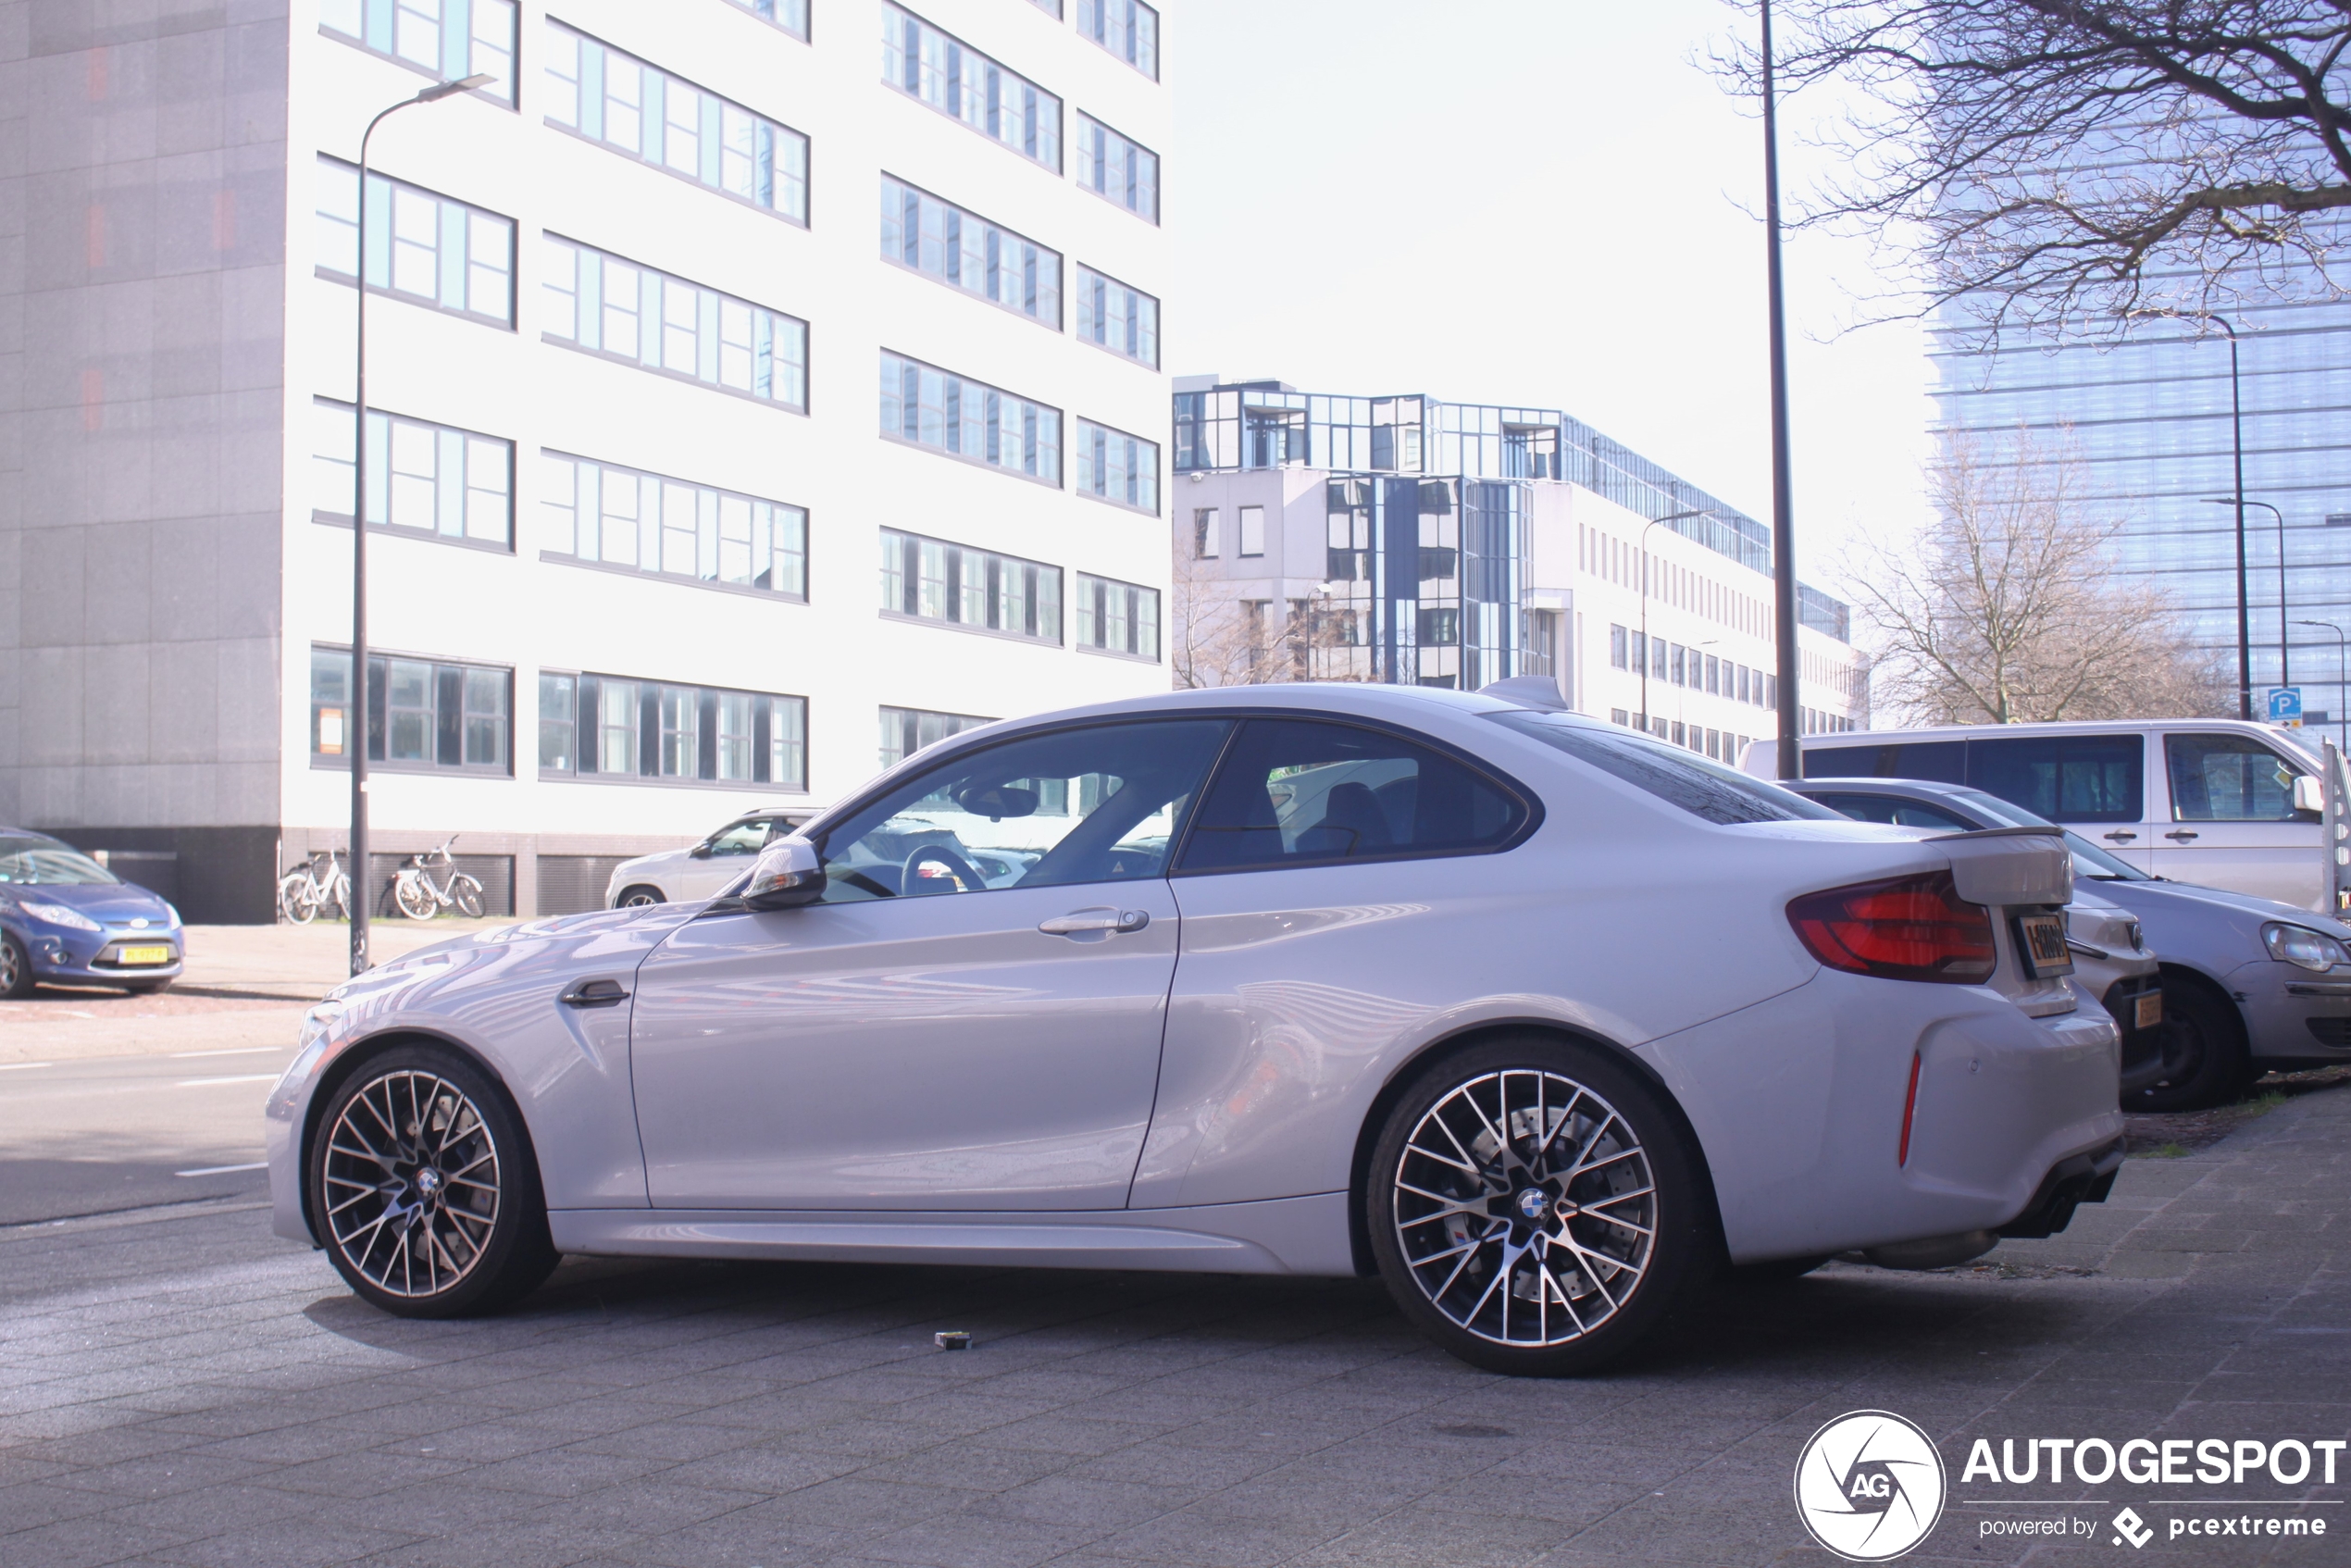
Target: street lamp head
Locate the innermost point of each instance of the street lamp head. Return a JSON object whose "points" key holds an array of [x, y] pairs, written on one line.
{"points": [[462, 84]]}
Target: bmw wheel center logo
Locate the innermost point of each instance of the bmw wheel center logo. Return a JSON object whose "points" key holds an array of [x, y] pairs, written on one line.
{"points": [[1870, 1486]]}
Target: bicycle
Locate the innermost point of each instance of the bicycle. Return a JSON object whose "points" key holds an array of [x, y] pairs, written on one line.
{"points": [[303, 893], [419, 898]]}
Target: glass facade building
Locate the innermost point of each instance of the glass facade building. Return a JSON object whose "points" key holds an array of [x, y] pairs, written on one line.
{"points": [[2148, 422]]}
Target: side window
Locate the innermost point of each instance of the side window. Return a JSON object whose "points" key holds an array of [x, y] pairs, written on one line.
{"points": [[1297, 791], [2228, 778], [1939, 761], [2064, 777], [1898, 812], [1099, 805], [743, 837]]}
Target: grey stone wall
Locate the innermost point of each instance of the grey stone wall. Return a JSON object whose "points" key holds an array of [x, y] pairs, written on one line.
{"points": [[143, 156]]}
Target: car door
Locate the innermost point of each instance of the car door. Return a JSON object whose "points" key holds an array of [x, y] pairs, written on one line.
{"points": [[2093, 784], [971, 1016], [2232, 823], [1339, 888]]}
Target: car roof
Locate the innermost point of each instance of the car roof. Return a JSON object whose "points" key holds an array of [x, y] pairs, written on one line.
{"points": [[2048, 726], [1884, 786]]}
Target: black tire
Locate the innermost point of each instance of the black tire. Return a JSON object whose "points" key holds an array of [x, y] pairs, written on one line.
{"points": [[392, 1230], [2214, 1068], [146, 988], [16, 969], [1456, 1173], [638, 897]]}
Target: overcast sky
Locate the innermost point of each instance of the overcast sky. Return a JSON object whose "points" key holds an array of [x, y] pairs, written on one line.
{"points": [[1543, 202]]}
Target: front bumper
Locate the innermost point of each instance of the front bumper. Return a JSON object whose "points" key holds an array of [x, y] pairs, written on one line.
{"points": [[2293, 1018], [72, 957]]}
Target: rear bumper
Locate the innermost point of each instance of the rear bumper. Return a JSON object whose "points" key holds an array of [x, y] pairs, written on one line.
{"points": [[2073, 1182]]}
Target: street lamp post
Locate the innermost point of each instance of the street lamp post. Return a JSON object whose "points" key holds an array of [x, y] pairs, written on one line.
{"points": [[2285, 676], [1646, 574], [355, 734], [2342, 698], [1782, 485]]}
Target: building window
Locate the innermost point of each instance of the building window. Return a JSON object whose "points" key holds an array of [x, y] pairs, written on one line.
{"points": [[1111, 315], [1117, 617], [964, 84], [790, 14], [969, 419], [421, 246], [1117, 468], [961, 248], [423, 715], [670, 528], [1128, 29], [906, 731], [620, 310], [641, 110], [1619, 648], [1252, 531], [1205, 542], [1050, 7], [616, 728], [1114, 168], [443, 38], [931, 579], [423, 478]]}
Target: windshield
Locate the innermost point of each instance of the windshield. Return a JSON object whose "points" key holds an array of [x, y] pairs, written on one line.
{"points": [[26, 859], [2088, 859], [1703, 789]]}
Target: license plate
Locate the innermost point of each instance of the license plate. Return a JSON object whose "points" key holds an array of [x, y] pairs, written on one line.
{"points": [[2043, 938], [2151, 1011], [145, 955]]}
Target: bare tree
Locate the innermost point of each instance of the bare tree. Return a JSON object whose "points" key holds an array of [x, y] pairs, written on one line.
{"points": [[1218, 639], [2069, 164], [2011, 608]]}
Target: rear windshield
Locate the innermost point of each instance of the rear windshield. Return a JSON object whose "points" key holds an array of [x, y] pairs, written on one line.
{"points": [[26, 859], [1703, 787]]}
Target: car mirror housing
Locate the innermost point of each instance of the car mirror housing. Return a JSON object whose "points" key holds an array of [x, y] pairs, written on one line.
{"points": [[788, 873], [700, 851], [2309, 793]]}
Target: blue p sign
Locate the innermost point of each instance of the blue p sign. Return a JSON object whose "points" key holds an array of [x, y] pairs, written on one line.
{"points": [[2286, 705]]}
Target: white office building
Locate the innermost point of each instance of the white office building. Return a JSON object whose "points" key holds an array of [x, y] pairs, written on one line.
{"points": [[1411, 540], [692, 485]]}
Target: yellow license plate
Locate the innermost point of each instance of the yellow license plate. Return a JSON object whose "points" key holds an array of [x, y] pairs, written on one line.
{"points": [[146, 956], [2150, 1010]]}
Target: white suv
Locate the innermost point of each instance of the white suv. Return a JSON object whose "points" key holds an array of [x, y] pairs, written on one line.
{"points": [[679, 875]]}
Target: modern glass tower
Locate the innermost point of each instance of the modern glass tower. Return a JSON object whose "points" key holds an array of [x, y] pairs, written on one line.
{"points": [[2149, 421]]}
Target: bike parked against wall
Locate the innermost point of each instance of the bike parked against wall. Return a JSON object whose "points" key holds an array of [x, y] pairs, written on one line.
{"points": [[315, 888], [420, 896]]}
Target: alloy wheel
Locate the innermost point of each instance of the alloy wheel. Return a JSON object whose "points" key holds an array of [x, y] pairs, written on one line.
{"points": [[412, 1186], [1525, 1208]]}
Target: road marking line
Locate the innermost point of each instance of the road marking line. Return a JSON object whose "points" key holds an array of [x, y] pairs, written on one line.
{"points": [[240, 1051], [241, 1078], [20, 1067], [224, 1170]]}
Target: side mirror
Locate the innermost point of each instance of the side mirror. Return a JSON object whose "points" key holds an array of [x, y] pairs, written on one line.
{"points": [[2309, 793], [787, 874], [700, 851]]}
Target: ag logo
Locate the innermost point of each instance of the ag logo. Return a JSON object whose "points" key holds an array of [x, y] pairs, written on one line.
{"points": [[1869, 1486]]}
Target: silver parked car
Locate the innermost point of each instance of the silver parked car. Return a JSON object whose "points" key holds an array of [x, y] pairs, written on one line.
{"points": [[1538, 1019], [698, 872], [2250, 985]]}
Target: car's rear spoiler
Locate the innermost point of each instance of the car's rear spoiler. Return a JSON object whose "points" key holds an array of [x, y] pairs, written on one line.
{"points": [[1990, 868]]}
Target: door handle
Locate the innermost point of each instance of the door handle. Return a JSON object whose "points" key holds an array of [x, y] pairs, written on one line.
{"points": [[2182, 834], [595, 993], [1082, 922], [2121, 838]]}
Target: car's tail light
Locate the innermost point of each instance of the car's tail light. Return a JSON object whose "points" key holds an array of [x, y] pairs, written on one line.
{"points": [[1909, 928]]}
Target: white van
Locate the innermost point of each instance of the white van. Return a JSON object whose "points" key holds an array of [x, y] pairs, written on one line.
{"points": [[2219, 802]]}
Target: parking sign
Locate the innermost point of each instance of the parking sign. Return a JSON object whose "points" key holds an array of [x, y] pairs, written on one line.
{"points": [[2286, 705]]}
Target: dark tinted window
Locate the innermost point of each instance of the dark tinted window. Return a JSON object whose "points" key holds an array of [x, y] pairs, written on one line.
{"points": [[1296, 792], [2228, 778], [1894, 810], [2063, 777], [1701, 788], [1941, 762]]}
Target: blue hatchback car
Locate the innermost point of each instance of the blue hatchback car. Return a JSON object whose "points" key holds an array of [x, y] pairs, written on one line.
{"points": [[66, 919]]}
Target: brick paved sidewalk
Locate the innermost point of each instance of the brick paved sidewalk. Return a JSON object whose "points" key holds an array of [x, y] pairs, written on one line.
{"points": [[185, 1390]]}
